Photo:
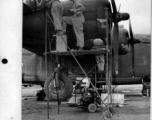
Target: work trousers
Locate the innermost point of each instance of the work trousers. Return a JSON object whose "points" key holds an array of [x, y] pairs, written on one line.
{"points": [[100, 62], [78, 29], [57, 12]]}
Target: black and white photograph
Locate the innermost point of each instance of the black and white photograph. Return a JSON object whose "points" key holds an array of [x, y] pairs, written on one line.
{"points": [[76, 60]]}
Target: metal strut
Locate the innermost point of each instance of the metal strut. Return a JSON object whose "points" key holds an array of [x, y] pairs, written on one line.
{"points": [[56, 77], [56, 74], [46, 63], [108, 68]]}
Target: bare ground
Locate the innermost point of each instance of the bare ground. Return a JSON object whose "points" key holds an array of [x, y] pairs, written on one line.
{"points": [[136, 108]]}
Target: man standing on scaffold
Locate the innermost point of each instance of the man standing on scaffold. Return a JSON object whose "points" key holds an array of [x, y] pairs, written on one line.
{"points": [[77, 20], [56, 11]]}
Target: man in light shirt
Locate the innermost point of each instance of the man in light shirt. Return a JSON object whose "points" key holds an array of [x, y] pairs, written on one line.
{"points": [[77, 20]]}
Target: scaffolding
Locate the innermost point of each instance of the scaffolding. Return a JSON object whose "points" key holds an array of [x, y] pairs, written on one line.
{"points": [[106, 50]]}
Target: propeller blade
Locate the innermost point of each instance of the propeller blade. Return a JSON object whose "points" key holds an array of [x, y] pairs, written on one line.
{"points": [[133, 57], [132, 41], [115, 41], [119, 7], [131, 32], [114, 6]]}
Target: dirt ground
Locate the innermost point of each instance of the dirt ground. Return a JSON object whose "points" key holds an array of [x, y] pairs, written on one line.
{"points": [[136, 107]]}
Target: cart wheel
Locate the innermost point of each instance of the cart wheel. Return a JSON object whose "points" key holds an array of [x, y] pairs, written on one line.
{"points": [[92, 107], [103, 108], [111, 110], [107, 114]]}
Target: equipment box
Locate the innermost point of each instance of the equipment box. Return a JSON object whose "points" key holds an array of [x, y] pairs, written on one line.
{"points": [[61, 43], [116, 98]]}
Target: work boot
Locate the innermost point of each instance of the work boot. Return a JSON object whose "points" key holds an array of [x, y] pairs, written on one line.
{"points": [[80, 48]]}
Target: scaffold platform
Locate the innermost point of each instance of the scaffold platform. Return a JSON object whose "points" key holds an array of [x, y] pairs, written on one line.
{"points": [[78, 52]]}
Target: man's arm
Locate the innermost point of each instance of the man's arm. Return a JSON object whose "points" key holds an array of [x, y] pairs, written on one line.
{"points": [[40, 4], [79, 7]]}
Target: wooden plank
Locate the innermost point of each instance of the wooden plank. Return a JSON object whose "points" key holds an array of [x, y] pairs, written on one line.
{"points": [[78, 52]]}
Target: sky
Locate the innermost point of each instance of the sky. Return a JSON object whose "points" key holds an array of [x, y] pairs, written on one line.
{"points": [[140, 15]]}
